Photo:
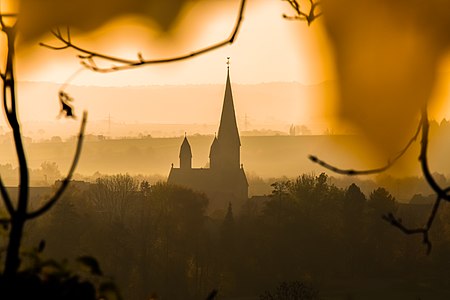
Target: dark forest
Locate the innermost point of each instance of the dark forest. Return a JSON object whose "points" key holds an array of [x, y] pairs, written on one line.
{"points": [[308, 236]]}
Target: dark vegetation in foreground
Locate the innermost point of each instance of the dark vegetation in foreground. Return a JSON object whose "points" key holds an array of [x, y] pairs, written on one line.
{"points": [[320, 240]]}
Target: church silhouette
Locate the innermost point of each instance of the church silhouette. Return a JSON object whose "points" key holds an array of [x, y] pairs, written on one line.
{"points": [[224, 181]]}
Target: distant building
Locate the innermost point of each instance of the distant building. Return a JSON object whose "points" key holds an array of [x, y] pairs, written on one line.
{"points": [[224, 181]]}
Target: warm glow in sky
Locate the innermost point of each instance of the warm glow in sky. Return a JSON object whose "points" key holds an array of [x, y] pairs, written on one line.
{"points": [[268, 49]]}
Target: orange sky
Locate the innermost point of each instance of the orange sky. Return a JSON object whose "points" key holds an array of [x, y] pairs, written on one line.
{"points": [[268, 49]]}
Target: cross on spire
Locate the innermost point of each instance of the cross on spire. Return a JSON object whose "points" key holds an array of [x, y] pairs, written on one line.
{"points": [[228, 62]]}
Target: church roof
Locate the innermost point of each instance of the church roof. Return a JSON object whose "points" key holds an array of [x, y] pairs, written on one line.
{"points": [[208, 180], [228, 130], [185, 149]]}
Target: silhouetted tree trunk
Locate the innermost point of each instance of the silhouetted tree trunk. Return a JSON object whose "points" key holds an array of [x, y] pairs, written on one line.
{"points": [[20, 215]]}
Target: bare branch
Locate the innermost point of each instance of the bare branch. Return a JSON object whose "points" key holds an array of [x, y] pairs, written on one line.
{"points": [[424, 231], [309, 16], [66, 181], [349, 172], [58, 35], [442, 193], [12, 261], [5, 15], [2, 23], [88, 56], [352, 172], [54, 47], [6, 199], [68, 34]]}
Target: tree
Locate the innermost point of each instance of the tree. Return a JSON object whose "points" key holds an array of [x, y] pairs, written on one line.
{"points": [[381, 201], [354, 229], [177, 217], [113, 196], [354, 202]]}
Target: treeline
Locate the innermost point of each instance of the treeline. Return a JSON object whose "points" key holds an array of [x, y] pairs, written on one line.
{"points": [[158, 239]]}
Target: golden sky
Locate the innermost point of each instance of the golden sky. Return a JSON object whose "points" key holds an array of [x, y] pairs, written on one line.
{"points": [[268, 49]]}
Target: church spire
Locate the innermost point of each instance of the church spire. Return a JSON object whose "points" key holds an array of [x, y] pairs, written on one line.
{"points": [[228, 131], [225, 150]]}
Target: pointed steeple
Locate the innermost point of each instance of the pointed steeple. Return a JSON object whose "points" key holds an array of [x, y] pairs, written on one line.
{"points": [[226, 148], [228, 130], [185, 154]]}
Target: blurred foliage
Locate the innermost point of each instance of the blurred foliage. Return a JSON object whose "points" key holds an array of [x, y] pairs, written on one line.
{"points": [[38, 17], [387, 55], [291, 291], [42, 278]]}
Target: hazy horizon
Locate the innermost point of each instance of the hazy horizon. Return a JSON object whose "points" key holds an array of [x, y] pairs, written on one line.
{"points": [[194, 108]]}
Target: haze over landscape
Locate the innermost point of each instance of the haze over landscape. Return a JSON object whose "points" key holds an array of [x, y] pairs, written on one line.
{"points": [[306, 158], [196, 109]]}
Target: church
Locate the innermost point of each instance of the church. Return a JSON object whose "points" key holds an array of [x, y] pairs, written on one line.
{"points": [[224, 181]]}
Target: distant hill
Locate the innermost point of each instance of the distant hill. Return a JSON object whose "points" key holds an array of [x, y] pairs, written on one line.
{"points": [[266, 156], [269, 157]]}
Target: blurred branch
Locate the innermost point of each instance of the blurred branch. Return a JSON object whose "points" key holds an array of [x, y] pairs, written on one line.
{"points": [[12, 261], [442, 194], [19, 214], [301, 15], [88, 57], [6, 198], [1, 18], [423, 158], [397, 222], [352, 172], [66, 181], [5, 15]]}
